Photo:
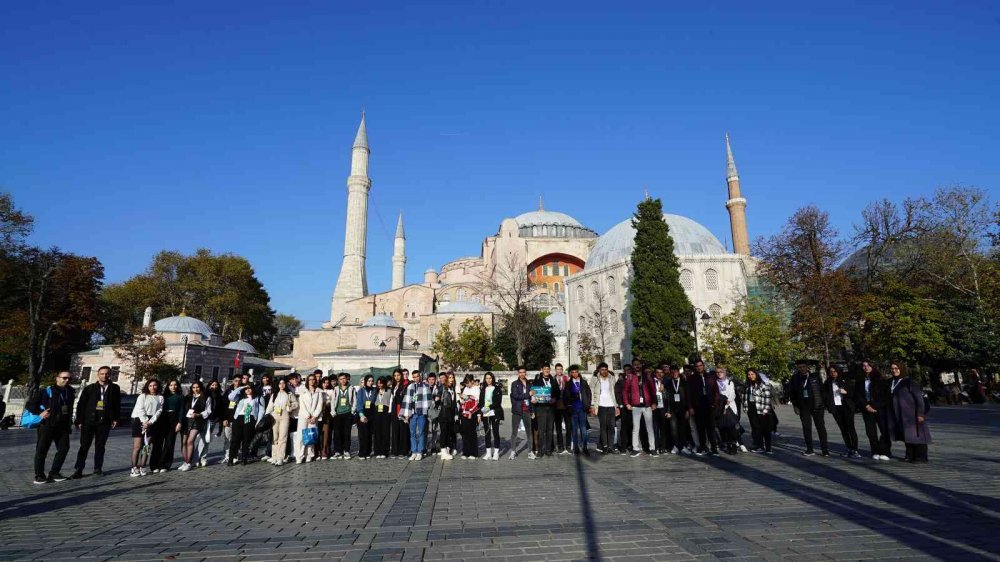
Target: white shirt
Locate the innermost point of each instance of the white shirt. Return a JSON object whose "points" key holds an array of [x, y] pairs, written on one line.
{"points": [[607, 398], [488, 395], [837, 401], [148, 408]]}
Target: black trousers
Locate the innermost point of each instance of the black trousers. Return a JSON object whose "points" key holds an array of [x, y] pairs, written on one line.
{"points": [[606, 424], [545, 416], [808, 418], [704, 421], [167, 441], [243, 434], [380, 429], [916, 452], [845, 421], [491, 429], [760, 429], [872, 428], [560, 417], [342, 424], [676, 424], [365, 435], [661, 429], [96, 433], [449, 440], [625, 432], [47, 435], [399, 439], [470, 436]]}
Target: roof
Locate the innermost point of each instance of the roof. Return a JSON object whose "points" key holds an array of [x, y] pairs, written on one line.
{"points": [[380, 320], [361, 139], [691, 238], [241, 345], [557, 321], [183, 324], [264, 363], [390, 351], [463, 307], [539, 218]]}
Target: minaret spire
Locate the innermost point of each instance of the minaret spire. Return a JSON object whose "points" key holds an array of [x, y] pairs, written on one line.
{"points": [[541, 205], [737, 205], [353, 281], [399, 255]]}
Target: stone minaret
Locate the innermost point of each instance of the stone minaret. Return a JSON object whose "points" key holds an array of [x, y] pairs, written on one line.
{"points": [[147, 317], [737, 206], [353, 282], [399, 255]]}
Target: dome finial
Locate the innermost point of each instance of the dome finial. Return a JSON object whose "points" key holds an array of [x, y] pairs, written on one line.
{"points": [[541, 205], [183, 311], [645, 190]]}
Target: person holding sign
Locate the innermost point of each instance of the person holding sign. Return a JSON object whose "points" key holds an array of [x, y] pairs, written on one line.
{"points": [[544, 394]]}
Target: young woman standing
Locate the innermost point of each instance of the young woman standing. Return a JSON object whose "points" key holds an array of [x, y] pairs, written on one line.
{"points": [[169, 426], [280, 407], [491, 399], [730, 417], [245, 417], [197, 410], [148, 408], [908, 422], [842, 407], [326, 419], [447, 417], [310, 410], [400, 430], [872, 397], [343, 407], [469, 419], [364, 406], [383, 417], [757, 405]]}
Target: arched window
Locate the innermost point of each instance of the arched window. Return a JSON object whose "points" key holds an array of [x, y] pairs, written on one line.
{"points": [[712, 280], [716, 312], [545, 285], [579, 293], [611, 285], [595, 289], [613, 320], [460, 295], [581, 323], [555, 286], [687, 279]]}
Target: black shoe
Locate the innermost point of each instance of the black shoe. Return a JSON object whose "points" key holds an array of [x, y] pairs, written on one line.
{"points": [[41, 480], [825, 454], [636, 454], [714, 452], [76, 475], [808, 453], [98, 472], [586, 452], [56, 477]]}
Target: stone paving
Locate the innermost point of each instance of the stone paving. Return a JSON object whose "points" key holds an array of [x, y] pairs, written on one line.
{"points": [[564, 508]]}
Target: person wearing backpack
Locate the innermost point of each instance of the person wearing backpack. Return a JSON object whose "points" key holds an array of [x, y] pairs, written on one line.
{"points": [[55, 406]]}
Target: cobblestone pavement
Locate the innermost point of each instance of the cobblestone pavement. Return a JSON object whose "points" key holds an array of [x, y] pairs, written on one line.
{"points": [[615, 507]]}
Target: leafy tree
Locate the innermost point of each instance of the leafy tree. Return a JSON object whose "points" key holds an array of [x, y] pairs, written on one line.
{"points": [[751, 337], [537, 340], [588, 349], [474, 345], [659, 308], [286, 328], [445, 345], [15, 225], [511, 292], [146, 353]]}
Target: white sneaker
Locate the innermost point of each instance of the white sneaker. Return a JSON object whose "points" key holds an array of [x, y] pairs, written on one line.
{"points": [[674, 451], [184, 467], [134, 473], [488, 455], [743, 448], [531, 455], [143, 471], [496, 454], [565, 452], [346, 456], [265, 458], [225, 459], [203, 462], [419, 457]]}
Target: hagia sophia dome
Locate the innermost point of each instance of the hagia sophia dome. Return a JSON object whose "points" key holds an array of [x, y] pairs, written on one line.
{"points": [[691, 238]]}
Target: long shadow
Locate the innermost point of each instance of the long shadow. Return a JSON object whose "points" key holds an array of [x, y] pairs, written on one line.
{"points": [[27, 510], [62, 492], [589, 527], [918, 534]]}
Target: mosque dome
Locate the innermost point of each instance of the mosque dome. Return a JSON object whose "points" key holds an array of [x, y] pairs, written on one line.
{"points": [[690, 238], [380, 321], [241, 345], [557, 321], [183, 324], [551, 224], [463, 307]]}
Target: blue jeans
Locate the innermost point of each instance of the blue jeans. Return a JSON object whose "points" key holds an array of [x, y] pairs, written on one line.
{"points": [[417, 424], [579, 429]]}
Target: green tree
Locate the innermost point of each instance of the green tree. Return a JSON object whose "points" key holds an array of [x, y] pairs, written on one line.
{"points": [[145, 353], [474, 345], [286, 328], [537, 343], [445, 345], [751, 337], [660, 310]]}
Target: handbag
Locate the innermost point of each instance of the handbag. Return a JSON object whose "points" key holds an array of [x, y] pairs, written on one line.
{"points": [[309, 436], [31, 420], [265, 423]]}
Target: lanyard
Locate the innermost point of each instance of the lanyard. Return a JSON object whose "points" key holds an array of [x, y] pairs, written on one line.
{"points": [[805, 381], [895, 383], [677, 385]]}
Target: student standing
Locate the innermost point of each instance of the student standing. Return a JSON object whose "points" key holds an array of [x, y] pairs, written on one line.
{"points": [[364, 406], [326, 420], [908, 422], [560, 414], [342, 409], [872, 394], [197, 410], [605, 407], [545, 409], [383, 417], [729, 417], [810, 402], [491, 412], [281, 406], [97, 414], [245, 417], [310, 410], [705, 405], [399, 445], [469, 418], [169, 427], [148, 408], [677, 406], [757, 405], [624, 436], [520, 411], [447, 417], [578, 400], [55, 405], [841, 394], [640, 396], [416, 404]]}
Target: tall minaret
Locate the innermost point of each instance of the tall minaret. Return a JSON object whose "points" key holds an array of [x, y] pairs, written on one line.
{"points": [[399, 255], [353, 282], [737, 206]]}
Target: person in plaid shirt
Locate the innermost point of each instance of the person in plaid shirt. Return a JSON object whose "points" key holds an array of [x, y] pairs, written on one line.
{"points": [[757, 404], [416, 405]]}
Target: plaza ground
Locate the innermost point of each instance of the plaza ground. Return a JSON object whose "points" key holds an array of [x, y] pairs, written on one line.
{"points": [[564, 508]]}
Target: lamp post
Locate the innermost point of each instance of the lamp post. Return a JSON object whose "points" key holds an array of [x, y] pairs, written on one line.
{"points": [[184, 355], [399, 346], [704, 316]]}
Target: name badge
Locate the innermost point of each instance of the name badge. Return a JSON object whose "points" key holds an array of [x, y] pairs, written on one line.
{"points": [[190, 413], [641, 400], [343, 401], [100, 404], [677, 397], [65, 409], [232, 404], [381, 408], [805, 393], [277, 410], [368, 404]]}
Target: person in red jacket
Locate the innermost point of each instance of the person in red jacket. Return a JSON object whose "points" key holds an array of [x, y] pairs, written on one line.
{"points": [[703, 393], [640, 399]]}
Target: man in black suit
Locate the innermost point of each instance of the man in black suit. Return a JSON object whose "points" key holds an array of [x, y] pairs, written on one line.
{"points": [[811, 402], [545, 410], [96, 415]]}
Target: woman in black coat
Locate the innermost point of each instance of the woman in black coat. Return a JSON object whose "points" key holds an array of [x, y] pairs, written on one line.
{"points": [[491, 412], [842, 406], [908, 422], [871, 397]]}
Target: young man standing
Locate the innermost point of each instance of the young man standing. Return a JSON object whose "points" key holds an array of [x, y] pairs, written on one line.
{"points": [[545, 409], [677, 406], [809, 399], [562, 414], [577, 397], [55, 405], [605, 408], [96, 415], [624, 437], [431, 435], [704, 400], [416, 405], [342, 409], [520, 411], [640, 396]]}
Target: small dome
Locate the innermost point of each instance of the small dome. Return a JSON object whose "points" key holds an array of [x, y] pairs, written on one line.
{"points": [[380, 320], [183, 325], [690, 238], [463, 307], [241, 345], [557, 321], [539, 218]]}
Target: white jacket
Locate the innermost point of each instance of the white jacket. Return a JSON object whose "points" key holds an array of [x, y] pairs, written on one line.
{"points": [[148, 408], [310, 405]]}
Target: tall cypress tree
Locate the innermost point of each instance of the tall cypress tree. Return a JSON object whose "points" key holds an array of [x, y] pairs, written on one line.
{"points": [[660, 310]]}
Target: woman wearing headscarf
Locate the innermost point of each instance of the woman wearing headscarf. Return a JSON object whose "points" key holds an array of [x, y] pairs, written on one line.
{"points": [[908, 421], [364, 404]]}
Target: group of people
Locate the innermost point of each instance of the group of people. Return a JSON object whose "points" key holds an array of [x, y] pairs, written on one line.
{"points": [[646, 409]]}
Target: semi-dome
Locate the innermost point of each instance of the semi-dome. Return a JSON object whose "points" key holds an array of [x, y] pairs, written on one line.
{"points": [[240, 345], [463, 307], [557, 321], [690, 238], [183, 324], [551, 224], [380, 321]]}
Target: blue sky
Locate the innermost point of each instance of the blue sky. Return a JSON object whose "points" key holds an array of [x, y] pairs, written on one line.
{"points": [[129, 129]]}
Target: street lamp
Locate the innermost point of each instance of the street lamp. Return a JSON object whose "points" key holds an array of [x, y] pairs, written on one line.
{"points": [[704, 316], [399, 346], [184, 355]]}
